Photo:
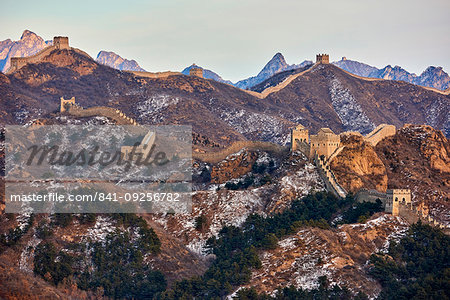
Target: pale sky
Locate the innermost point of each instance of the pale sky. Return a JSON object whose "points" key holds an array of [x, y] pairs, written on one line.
{"points": [[235, 38]]}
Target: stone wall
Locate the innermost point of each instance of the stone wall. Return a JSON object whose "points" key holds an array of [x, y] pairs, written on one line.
{"points": [[413, 214], [370, 196], [382, 131], [324, 143], [111, 113], [19, 62], [59, 42], [154, 75], [328, 178], [215, 157]]}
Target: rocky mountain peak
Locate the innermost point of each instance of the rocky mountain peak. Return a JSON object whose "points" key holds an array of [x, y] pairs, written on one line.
{"points": [[115, 61], [275, 65], [355, 67], [29, 34], [29, 44]]}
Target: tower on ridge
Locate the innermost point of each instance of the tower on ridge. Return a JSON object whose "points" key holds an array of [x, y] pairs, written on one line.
{"points": [[322, 59], [196, 71], [61, 42]]}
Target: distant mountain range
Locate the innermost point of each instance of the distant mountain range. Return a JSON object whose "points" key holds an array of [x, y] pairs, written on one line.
{"points": [[276, 65], [320, 96], [435, 77], [208, 74], [113, 60]]}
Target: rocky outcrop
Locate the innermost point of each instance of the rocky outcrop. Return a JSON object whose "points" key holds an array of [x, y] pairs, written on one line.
{"points": [[113, 60], [355, 67], [358, 166], [29, 44], [233, 167], [276, 65], [434, 77], [340, 254], [418, 158]]}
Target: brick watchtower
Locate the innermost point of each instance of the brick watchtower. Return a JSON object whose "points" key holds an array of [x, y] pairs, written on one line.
{"points": [[61, 42], [66, 104], [322, 59], [196, 71]]}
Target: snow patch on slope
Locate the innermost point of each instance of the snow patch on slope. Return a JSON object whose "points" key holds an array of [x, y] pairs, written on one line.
{"points": [[152, 108], [347, 108]]}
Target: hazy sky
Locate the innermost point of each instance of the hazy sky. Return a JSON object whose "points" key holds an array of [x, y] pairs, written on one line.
{"points": [[235, 38]]}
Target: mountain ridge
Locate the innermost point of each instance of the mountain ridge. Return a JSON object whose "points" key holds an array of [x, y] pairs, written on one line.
{"points": [[208, 74], [275, 65], [28, 44], [113, 60], [324, 96], [433, 77]]}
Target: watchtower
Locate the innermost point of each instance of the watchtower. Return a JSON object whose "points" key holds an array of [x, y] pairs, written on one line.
{"points": [[61, 42], [299, 134], [396, 197], [17, 63], [65, 104], [196, 71], [322, 59], [325, 142]]}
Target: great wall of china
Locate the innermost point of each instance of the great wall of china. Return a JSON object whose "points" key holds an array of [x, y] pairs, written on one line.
{"points": [[328, 177], [317, 149], [76, 110], [154, 74], [114, 114], [215, 157], [414, 214], [411, 214], [59, 42], [322, 59]]}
